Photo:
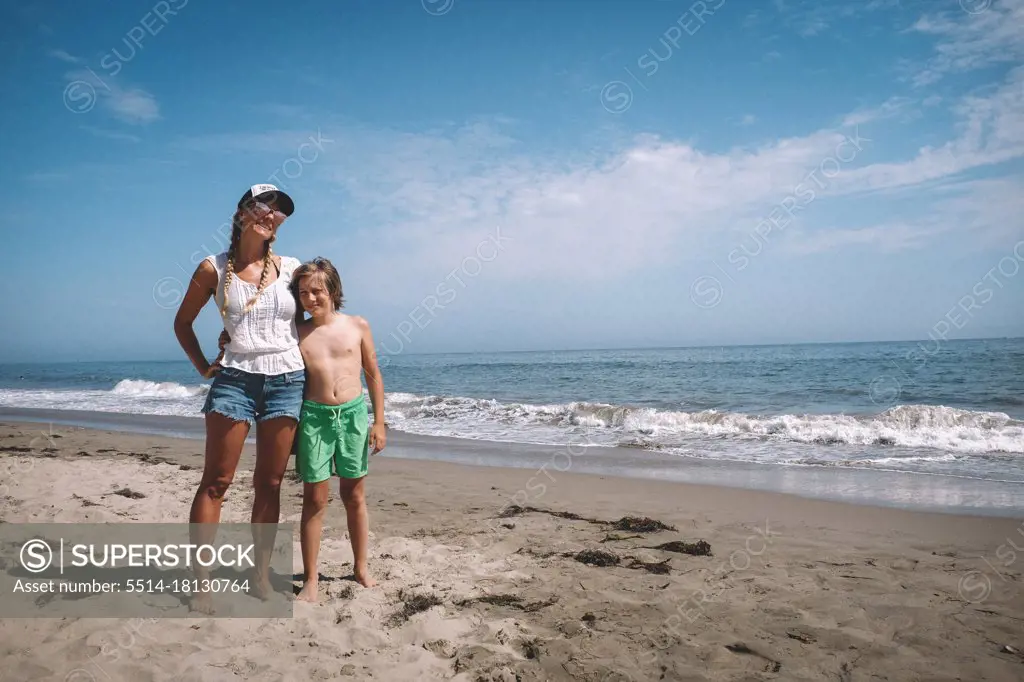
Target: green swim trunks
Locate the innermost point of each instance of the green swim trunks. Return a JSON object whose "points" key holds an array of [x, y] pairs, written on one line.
{"points": [[333, 440]]}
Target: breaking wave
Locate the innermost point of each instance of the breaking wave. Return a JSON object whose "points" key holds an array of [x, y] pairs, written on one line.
{"points": [[914, 426]]}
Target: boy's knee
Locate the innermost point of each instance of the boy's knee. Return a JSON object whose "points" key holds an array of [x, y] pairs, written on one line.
{"points": [[316, 499], [313, 506], [353, 498]]}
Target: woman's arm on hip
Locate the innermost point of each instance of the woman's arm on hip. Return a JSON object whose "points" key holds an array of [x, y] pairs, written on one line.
{"points": [[199, 290]]}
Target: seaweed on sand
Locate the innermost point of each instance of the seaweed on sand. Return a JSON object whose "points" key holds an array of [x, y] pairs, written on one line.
{"points": [[637, 524], [699, 548], [493, 599], [516, 510], [129, 493], [658, 567], [634, 524], [595, 557], [413, 605], [509, 601]]}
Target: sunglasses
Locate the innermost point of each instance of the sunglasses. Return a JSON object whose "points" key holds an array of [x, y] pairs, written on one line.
{"points": [[261, 212]]}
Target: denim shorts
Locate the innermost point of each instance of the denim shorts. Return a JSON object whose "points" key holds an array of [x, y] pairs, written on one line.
{"points": [[242, 396]]}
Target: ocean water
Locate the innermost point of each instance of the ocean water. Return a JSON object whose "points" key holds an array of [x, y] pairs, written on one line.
{"points": [[953, 408]]}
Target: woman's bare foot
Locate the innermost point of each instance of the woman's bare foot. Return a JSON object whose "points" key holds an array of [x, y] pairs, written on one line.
{"points": [[309, 592], [364, 578], [262, 589]]}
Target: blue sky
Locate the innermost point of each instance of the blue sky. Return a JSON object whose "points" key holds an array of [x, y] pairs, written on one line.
{"points": [[514, 175]]}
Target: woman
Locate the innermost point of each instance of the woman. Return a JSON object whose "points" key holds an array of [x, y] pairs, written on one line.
{"points": [[259, 376]]}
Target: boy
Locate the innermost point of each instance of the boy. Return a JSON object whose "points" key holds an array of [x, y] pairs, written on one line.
{"points": [[334, 433]]}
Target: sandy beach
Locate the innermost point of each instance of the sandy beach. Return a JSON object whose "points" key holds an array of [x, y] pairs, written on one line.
{"points": [[572, 577]]}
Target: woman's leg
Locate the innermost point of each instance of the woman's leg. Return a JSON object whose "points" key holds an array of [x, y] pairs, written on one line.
{"points": [[274, 439], [225, 439]]}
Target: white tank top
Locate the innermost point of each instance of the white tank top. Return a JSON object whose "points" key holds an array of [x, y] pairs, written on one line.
{"points": [[264, 340]]}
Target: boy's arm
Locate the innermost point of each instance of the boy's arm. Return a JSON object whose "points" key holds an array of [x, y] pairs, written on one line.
{"points": [[374, 381]]}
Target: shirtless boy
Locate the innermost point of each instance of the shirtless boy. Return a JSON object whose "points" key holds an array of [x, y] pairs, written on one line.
{"points": [[334, 431]]}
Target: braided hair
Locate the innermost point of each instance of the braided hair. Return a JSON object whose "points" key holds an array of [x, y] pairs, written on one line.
{"points": [[268, 254]]}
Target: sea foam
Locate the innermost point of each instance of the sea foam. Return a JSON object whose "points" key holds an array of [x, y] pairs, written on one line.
{"points": [[934, 427]]}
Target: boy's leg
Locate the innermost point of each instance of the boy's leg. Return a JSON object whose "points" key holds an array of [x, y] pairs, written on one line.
{"points": [[314, 506], [353, 495], [315, 446]]}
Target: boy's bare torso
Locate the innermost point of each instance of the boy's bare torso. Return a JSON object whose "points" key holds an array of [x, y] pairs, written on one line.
{"points": [[333, 356]]}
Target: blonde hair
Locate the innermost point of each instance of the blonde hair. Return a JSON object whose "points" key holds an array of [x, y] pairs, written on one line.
{"points": [[323, 268], [268, 254]]}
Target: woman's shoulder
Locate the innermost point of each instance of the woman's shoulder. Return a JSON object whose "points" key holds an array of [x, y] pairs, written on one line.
{"points": [[219, 261], [289, 264]]}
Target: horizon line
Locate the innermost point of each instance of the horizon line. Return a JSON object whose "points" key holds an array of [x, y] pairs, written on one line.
{"points": [[591, 350]]}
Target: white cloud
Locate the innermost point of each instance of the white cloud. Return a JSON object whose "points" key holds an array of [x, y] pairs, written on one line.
{"points": [[133, 105], [989, 210], [810, 18], [427, 199], [129, 104], [626, 211], [887, 238], [64, 56], [431, 197], [985, 213], [967, 41], [892, 107], [813, 26], [992, 131]]}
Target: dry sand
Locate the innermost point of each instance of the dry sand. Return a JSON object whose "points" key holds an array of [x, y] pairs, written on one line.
{"points": [[473, 588]]}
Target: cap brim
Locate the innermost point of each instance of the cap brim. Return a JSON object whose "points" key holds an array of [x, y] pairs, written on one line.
{"points": [[283, 202]]}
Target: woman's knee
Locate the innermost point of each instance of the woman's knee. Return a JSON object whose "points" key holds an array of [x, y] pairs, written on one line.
{"points": [[215, 485], [267, 484]]}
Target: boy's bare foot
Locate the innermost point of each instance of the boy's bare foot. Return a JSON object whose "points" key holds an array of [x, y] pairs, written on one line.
{"points": [[309, 592], [364, 578], [202, 602]]}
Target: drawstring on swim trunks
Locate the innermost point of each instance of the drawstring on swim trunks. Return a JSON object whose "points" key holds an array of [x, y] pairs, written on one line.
{"points": [[339, 430]]}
